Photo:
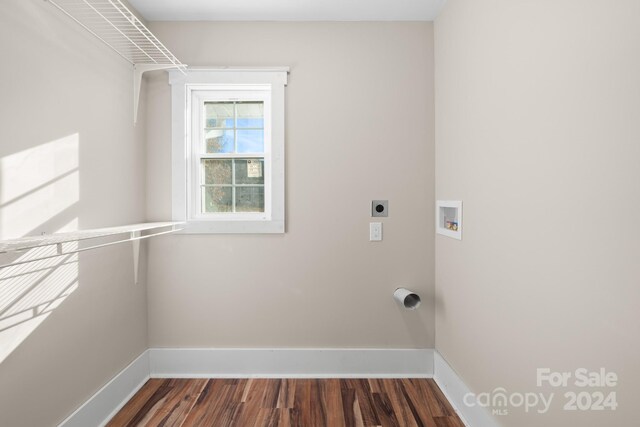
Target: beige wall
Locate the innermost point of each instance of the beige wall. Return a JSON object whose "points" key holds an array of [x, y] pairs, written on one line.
{"points": [[537, 131], [359, 126], [69, 158]]}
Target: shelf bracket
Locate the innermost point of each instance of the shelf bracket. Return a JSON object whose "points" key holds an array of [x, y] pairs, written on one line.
{"points": [[138, 71], [135, 242]]}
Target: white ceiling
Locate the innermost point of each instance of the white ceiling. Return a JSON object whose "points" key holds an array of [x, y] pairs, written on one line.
{"points": [[288, 10]]}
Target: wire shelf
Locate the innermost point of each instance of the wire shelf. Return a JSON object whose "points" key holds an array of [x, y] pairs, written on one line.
{"points": [[30, 242], [58, 241], [116, 26]]}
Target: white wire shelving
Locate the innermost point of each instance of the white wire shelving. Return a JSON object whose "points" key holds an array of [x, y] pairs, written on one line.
{"points": [[118, 27], [60, 244]]}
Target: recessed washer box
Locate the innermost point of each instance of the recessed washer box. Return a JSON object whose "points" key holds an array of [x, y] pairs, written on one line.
{"points": [[449, 218]]}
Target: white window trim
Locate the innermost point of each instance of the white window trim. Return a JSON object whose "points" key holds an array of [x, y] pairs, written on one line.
{"points": [[182, 88]]}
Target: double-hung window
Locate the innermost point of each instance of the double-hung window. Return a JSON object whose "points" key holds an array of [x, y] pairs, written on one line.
{"points": [[231, 141], [228, 150]]}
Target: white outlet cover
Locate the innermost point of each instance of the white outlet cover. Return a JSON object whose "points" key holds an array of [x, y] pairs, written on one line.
{"points": [[375, 231]]}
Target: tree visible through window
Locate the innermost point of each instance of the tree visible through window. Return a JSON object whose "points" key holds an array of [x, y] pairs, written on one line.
{"points": [[232, 164], [227, 163]]}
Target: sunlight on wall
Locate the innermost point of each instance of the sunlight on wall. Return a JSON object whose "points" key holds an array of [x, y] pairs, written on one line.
{"points": [[30, 292], [37, 185], [39, 192]]}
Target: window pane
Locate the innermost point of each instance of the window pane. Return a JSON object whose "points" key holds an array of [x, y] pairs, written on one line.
{"points": [[249, 199], [250, 114], [219, 141], [250, 141], [217, 199], [216, 171], [249, 171], [219, 114]]}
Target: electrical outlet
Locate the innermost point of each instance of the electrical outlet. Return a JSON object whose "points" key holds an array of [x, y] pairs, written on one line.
{"points": [[379, 208]]}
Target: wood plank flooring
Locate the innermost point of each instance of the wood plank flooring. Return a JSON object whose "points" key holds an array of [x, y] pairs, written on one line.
{"points": [[288, 403]]}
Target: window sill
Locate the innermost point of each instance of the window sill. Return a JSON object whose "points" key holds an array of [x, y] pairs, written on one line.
{"points": [[232, 227]]}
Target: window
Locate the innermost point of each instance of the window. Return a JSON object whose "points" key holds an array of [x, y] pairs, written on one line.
{"points": [[228, 150], [230, 143]]}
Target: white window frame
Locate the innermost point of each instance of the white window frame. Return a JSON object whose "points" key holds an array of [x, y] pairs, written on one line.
{"points": [[198, 86]]}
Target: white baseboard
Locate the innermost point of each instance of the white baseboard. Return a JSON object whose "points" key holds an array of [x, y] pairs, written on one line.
{"points": [[277, 363], [107, 401], [454, 390], [290, 363]]}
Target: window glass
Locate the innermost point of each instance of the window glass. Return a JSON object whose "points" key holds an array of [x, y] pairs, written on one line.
{"points": [[217, 199], [230, 182], [234, 127], [219, 140], [250, 199], [249, 171], [250, 141], [219, 114], [217, 171], [250, 115], [227, 180]]}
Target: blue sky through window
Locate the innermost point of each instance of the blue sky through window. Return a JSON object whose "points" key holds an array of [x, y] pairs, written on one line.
{"points": [[234, 127], [250, 123], [249, 139]]}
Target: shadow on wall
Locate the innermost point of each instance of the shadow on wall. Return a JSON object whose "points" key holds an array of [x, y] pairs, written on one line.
{"points": [[39, 193]]}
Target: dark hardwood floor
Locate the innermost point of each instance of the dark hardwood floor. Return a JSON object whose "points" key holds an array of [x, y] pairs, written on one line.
{"points": [[288, 402]]}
